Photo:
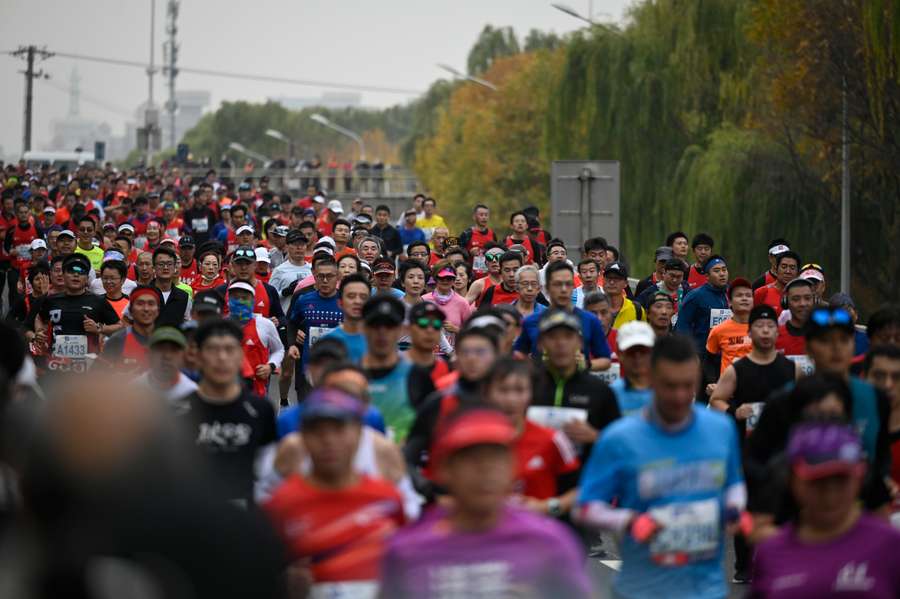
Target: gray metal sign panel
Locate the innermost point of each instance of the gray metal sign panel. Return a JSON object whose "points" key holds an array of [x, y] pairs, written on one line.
{"points": [[584, 196]]}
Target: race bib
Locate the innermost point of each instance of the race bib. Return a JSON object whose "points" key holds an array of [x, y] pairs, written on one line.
{"points": [[316, 333], [23, 251], [690, 532], [172, 232], [200, 225], [756, 411], [554, 417], [479, 264], [611, 375], [718, 316], [70, 346], [356, 589], [806, 364]]}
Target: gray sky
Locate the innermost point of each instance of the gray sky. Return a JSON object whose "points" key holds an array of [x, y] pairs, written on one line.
{"points": [[393, 43]]}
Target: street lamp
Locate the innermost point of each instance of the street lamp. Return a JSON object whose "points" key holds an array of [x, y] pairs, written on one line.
{"points": [[247, 152], [587, 19], [460, 75], [284, 138], [342, 130]]}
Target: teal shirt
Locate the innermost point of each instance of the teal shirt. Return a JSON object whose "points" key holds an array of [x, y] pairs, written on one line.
{"points": [[390, 394]]}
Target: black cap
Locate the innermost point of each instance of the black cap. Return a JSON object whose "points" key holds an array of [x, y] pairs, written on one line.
{"points": [[426, 310], [674, 264], [244, 253], [763, 312], [186, 241], [77, 261], [555, 319], [384, 308], [616, 268], [208, 301], [330, 349], [296, 236]]}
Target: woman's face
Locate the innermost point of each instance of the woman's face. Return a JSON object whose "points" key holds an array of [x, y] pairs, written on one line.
{"points": [[511, 395], [347, 266], [209, 266], [414, 282], [461, 284]]}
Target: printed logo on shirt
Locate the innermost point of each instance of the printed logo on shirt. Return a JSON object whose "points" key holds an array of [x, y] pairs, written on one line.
{"points": [[224, 435], [666, 478], [579, 400], [484, 579], [535, 463], [854, 577], [55, 315]]}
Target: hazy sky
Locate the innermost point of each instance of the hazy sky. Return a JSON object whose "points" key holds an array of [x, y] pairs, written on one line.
{"points": [[393, 43]]}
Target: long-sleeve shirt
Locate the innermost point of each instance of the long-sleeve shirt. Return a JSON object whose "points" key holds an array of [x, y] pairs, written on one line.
{"points": [[702, 309]]}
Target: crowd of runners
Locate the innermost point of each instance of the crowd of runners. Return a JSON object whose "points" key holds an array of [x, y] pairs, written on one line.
{"points": [[211, 388]]}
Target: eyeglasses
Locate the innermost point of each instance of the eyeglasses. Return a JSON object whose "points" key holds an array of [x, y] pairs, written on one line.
{"points": [[110, 279], [475, 352], [418, 254], [530, 285], [325, 276], [436, 323], [562, 284], [165, 264], [829, 318], [492, 257]]}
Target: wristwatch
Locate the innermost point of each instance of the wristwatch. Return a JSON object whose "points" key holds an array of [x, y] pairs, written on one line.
{"points": [[273, 367], [554, 508]]}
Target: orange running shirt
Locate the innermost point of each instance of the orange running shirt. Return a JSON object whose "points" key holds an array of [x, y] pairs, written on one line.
{"points": [[731, 339]]}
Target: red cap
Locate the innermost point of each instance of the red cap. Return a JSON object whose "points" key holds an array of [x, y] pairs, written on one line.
{"points": [[476, 427], [737, 283]]}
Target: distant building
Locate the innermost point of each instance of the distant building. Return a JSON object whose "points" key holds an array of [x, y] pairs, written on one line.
{"points": [[334, 100], [75, 131]]}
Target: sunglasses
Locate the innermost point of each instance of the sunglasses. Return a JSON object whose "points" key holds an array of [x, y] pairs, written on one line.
{"points": [[828, 318], [435, 323], [244, 254], [812, 265], [75, 270], [492, 257]]}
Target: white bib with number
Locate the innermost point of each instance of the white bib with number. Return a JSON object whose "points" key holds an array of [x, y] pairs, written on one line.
{"points": [[610, 375], [200, 225], [355, 589], [555, 417], [23, 251], [690, 532], [70, 346], [718, 315], [806, 364], [316, 333], [756, 410]]}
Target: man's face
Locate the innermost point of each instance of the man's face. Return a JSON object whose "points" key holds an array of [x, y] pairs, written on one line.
{"points": [[353, 296], [832, 351], [74, 282], [787, 270], [763, 334], [381, 217], [718, 275], [169, 213], [636, 360], [153, 230], [508, 273], [331, 445], [164, 266], [673, 277], [245, 238], [220, 359], [420, 254], [57, 279], [742, 300], [556, 254], [884, 374], [381, 338], [598, 256], [561, 345], [428, 208], [674, 385], [144, 309], [238, 218], [243, 269], [801, 301], [588, 274], [481, 217], [296, 251], [341, 234], [528, 286], [425, 332], [602, 311], [384, 280], [475, 357], [680, 247], [86, 232], [479, 477], [702, 252], [368, 251], [659, 315], [326, 279], [410, 218], [187, 254], [144, 265], [492, 259], [519, 224], [560, 286], [22, 213], [51, 241], [613, 284]]}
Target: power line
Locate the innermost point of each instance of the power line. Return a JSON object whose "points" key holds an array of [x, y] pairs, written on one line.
{"points": [[246, 76], [92, 99]]}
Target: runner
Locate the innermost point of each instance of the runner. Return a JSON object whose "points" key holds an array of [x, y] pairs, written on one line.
{"points": [[800, 300], [263, 350], [505, 292], [833, 549], [632, 390], [167, 346], [293, 269], [777, 247], [663, 255], [676, 474], [702, 246], [661, 314], [490, 273], [335, 521], [882, 368], [705, 307], [519, 235], [597, 303], [615, 280], [528, 285], [383, 230], [678, 241], [127, 349], [787, 267], [454, 306], [176, 306], [728, 341], [231, 427], [589, 272], [481, 543], [672, 283], [426, 322], [475, 238], [353, 294]]}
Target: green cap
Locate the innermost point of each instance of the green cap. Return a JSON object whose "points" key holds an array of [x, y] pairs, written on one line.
{"points": [[167, 335]]}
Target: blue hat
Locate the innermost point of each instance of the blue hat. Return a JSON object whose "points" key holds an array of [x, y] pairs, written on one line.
{"points": [[331, 404]]}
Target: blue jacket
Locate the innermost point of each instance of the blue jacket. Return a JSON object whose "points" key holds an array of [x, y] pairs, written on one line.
{"points": [[694, 315]]}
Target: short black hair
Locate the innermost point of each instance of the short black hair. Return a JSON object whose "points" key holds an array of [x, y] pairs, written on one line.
{"points": [[320, 258], [518, 213], [117, 265], [417, 244], [341, 221], [125, 239], [306, 225], [673, 348], [87, 219], [382, 208], [12, 351], [886, 316], [555, 267], [510, 256], [594, 244], [164, 251], [892, 352], [479, 207], [409, 265], [595, 297], [673, 236], [240, 207], [788, 254], [482, 332], [702, 239], [354, 278], [341, 366], [41, 267], [615, 252], [586, 261], [56, 258], [429, 199], [218, 327]]}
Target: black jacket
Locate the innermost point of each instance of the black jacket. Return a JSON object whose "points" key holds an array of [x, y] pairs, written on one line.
{"points": [[391, 239], [174, 309]]}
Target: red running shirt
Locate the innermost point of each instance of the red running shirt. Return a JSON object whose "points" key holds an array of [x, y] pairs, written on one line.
{"points": [[542, 454]]}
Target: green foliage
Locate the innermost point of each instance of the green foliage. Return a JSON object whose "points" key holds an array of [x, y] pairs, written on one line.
{"points": [[491, 45]]}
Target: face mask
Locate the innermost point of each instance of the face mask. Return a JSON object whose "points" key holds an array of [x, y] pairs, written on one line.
{"points": [[240, 311]]}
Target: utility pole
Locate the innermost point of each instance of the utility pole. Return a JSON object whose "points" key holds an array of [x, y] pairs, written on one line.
{"points": [[147, 134], [170, 51], [29, 53], [845, 195]]}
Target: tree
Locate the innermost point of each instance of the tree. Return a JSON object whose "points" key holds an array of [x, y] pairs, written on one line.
{"points": [[491, 45]]}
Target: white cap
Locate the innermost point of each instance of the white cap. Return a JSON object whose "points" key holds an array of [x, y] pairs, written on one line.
{"points": [[49, 209], [336, 207], [319, 199], [244, 229], [811, 274], [242, 285], [38, 244], [326, 241], [126, 227], [633, 334], [167, 240], [262, 255]]}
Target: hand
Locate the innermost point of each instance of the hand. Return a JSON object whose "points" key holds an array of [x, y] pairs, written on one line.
{"points": [[450, 327], [20, 286], [91, 326], [580, 431], [263, 371], [538, 506], [301, 337], [743, 412], [710, 388], [294, 352], [274, 321], [299, 579], [643, 528], [288, 455]]}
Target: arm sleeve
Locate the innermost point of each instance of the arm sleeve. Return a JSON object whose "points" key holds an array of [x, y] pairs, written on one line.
{"points": [[523, 343], [464, 238], [8, 240], [599, 346], [686, 316], [275, 303], [602, 475], [269, 335]]}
